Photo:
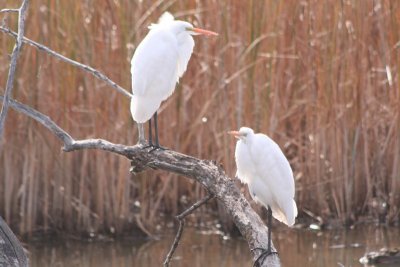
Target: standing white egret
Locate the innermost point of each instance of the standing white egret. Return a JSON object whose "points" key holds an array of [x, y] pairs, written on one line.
{"points": [[262, 165], [157, 64]]}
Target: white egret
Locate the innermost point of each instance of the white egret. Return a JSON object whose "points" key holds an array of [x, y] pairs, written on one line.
{"points": [[262, 165], [157, 64]]}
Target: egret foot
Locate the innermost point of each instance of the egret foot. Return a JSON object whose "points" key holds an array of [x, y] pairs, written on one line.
{"points": [[157, 143], [155, 147], [265, 253]]}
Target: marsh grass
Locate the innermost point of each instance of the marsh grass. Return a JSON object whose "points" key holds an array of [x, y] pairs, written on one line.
{"points": [[321, 78]]}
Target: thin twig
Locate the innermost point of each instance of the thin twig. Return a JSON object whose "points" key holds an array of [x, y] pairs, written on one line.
{"points": [[84, 67], [13, 64], [9, 10], [181, 218], [43, 119]]}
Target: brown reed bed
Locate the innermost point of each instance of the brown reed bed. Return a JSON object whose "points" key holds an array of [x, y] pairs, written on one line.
{"points": [[320, 77]]}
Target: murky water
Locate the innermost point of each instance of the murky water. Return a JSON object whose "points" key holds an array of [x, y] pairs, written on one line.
{"points": [[296, 248]]}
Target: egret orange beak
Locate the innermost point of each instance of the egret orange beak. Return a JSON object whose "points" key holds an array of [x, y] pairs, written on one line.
{"points": [[202, 31], [236, 134]]}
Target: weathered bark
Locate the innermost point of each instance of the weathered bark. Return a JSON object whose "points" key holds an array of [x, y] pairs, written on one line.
{"points": [[11, 251], [205, 172], [181, 218], [13, 61]]}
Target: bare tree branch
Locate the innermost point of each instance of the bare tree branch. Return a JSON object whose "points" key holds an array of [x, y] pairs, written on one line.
{"points": [[206, 172], [43, 119], [9, 10], [84, 67], [181, 218], [13, 64], [11, 251]]}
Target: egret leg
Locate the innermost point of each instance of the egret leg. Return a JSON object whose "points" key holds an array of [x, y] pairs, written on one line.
{"points": [[142, 139], [266, 252], [157, 143], [156, 130], [150, 135], [269, 222]]}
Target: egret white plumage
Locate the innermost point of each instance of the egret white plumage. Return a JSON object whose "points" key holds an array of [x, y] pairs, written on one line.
{"points": [[262, 165], [157, 64]]}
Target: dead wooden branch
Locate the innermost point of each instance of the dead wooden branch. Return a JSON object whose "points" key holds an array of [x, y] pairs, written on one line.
{"points": [[205, 172], [13, 64], [181, 218], [11, 251], [82, 66], [9, 10]]}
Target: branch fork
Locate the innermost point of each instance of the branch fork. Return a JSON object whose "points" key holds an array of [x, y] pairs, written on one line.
{"points": [[206, 172]]}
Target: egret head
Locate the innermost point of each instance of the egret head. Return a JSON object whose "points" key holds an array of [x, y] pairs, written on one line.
{"points": [[197, 31], [167, 20], [243, 134], [179, 26]]}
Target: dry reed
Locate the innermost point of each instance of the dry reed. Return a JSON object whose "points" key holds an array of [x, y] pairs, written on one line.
{"points": [[320, 77]]}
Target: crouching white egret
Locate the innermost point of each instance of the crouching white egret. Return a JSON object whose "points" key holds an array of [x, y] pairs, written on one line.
{"points": [[262, 165], [157, 64]]}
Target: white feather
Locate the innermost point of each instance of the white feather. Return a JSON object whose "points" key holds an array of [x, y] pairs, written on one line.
{"points": [[165, 18], [263, 166], [158, 62]]}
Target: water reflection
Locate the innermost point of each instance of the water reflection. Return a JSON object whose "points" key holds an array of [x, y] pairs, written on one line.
{"points": [[335, 247], [195, 250], [296, 248]]}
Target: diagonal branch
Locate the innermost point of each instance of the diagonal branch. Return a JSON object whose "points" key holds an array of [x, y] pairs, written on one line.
{"points": [[41, 118], [16, 251], [14, 57], [84, 67], [205, 172], [181, 217], [17, 255]]}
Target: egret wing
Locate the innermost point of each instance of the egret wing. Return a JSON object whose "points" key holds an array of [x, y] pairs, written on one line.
{"points": [[276, 174], [244, 163], [186, 45], [270, 161], [154, 65]]}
